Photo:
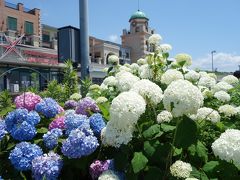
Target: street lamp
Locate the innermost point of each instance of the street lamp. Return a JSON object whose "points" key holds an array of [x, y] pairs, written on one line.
{"points": [[212, 52]]}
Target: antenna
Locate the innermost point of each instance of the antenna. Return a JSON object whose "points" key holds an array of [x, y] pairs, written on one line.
{"points": [[138, 6]]}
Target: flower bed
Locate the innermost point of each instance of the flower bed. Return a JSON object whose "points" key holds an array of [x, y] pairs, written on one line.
{"points": [[154, 119]]}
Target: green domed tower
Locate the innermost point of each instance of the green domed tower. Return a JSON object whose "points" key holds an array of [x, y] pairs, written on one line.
{"points": [[137, 37]]}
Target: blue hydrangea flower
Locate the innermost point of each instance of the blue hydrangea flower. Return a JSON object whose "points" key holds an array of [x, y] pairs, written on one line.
{"points": [[70, 104], [47, 166], [73, 121], [51, 138], [86, 106], [22, 155], [97, 123], [2, 129], [20, 124], [33, 118], [1, 178], [80, 143], [48, 107]]}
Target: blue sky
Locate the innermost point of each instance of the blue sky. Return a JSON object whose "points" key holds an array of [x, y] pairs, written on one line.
{"points": [[190, 26]]}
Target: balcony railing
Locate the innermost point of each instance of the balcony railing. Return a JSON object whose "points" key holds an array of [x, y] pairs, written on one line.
{"points": [[11, 5]]}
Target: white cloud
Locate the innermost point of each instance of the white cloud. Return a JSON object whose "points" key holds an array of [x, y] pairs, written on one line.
{"points": [[113, 38], [224, 62]]}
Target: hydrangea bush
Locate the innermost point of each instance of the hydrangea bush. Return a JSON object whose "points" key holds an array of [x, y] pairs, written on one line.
{"points": [[154, 119]]}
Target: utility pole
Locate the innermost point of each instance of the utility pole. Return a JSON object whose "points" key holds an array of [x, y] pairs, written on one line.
{"points": [[84, 38]]}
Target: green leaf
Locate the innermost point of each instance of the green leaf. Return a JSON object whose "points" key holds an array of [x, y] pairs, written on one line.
{"points": [[167, 128], [139, 162], [202, 151], [149, 148], [42, 130], [186, 133], [37, 141], [177, 152], [152, 132], [198, 174], [210, 166]]}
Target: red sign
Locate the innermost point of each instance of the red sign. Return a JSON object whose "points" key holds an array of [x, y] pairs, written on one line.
{"points": [[42, 60]]}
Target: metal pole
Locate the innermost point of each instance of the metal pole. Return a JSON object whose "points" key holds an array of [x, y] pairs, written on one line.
{"points": [[84, 38], [212, 59]]}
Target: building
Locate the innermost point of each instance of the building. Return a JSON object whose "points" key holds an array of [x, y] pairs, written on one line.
{"points": [[137, 37], [26, 48]]}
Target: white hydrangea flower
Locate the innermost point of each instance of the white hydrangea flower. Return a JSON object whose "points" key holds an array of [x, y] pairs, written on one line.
{"points": [[94, 87], [125, 80], [127, 65], [155, 39], [103, 87], [141, 61], [184, 96], [208, 114], [110, 81], [134, 68], [238, 110], [212, 75], [227, 146], [184, 57], [227, 110], [125, 111], [181, 169], [222, 86], [207, 93], [145, 72], [76, 96], [230, 79], [125, 68], [191, 179], [149, 91], [108, 175], [203, 74], [171, 75], [164, 116], [164, 48], [207, 81], [113, 59], [101, 100], [222, 96], [192, 76]]}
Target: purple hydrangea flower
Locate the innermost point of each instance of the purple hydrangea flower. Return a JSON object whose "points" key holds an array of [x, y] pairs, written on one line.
{"points": [[81, 142], [74, 121], [51, 138], [3, 127], [57, 123], [22, 155], [27, 100], [48, 107], [70, 104], [86, 106], [47, 166], [21, 124], [97, 123], [98, 167]]}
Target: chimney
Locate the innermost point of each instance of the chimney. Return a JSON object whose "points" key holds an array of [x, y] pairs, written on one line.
{"points": [[20, 7]]}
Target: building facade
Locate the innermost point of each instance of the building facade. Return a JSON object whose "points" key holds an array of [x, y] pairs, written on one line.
{"points": [[136, 38]]}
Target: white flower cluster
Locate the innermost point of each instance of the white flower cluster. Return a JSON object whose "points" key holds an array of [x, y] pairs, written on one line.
{"points": [[184, 96], [230, 79], [155, 39], [191, 179], [113, 59], [125, 80], [227, 146], [181, 169], [149, 91], [76, 96], [145, 72], [222, 96], [125, 111], [208, 114], [101, 100], [108, 175], [164, 116], [180, 58], [110, 81], [192, 76], [207, 81], [125, 68], [222, 86], [141, 61], [228, 110], [164, 48], [171, 75]]}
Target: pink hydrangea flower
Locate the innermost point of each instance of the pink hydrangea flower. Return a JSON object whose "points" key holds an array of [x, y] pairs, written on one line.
{"points": [[57, 123], [60, 109], [27, 100]]}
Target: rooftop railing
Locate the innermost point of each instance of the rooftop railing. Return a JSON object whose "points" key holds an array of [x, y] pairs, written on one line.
{"points": [[11, 5]]}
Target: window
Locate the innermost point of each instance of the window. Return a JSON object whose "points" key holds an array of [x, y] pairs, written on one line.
{"points": [[137, 29], [28, 27], [127, 55], [46, 38], [12, 23]]}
